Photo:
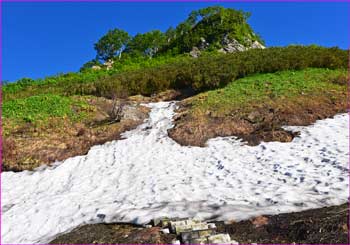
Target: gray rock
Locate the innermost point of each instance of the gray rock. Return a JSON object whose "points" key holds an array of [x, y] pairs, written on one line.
{"points": [[195, 52], [258, 45], [231, 45], [95, 67], [132, 112]]}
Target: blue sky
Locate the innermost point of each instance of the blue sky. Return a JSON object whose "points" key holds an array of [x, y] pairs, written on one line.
{"points": [[42, 39]]}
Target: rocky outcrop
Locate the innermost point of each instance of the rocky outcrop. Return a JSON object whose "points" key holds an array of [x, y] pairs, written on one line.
{"points": [[229, 45], [256, 44]]}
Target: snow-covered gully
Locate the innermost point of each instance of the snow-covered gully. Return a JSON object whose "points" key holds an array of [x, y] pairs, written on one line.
{"points": [[148, 175]]}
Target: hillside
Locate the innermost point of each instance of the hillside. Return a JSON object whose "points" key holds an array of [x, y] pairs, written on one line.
{"points": [[199, 121]]}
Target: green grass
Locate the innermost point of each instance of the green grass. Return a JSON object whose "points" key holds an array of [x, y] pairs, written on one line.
{"points": [[42, 107], [266, 87]]}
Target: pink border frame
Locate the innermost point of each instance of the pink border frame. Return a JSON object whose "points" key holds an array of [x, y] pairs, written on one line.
{"points": [[299, 1]]}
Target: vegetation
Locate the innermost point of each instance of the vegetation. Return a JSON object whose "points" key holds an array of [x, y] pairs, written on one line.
{"points": [[40, 108], [112, 44], [154, 61], [255, 108], [147, 76], [294, 79], [212, 24], [61, 83], [265, 87], [146, 44], [212, 70]]}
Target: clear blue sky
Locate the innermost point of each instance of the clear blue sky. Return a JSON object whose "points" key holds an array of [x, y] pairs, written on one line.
{"points": [[41, 39]]}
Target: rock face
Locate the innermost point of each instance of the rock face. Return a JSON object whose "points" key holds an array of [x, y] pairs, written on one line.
{"points": [[256, 44], [132, 112], [232, 45], [229, 45]]}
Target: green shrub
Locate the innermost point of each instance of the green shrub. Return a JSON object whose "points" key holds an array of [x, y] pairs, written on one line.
{"points": [[141, 75], [217, 70], [42, 107]]}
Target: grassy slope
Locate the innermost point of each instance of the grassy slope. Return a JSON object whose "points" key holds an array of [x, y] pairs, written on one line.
{"points": [[255, 107], [39, 110], [149, 76], [284, 85]]}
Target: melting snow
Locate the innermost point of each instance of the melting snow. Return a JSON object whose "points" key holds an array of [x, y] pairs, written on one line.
{"points": [[148, 175]]}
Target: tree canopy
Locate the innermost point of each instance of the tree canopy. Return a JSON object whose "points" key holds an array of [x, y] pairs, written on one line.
{"points": [[211, 24], [147, 44], [112, 44]]}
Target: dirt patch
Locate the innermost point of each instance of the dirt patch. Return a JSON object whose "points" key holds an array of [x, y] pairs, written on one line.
{"points": [[324, 226], [114, 234], [167, 95], [27, 146], [327, 225], [256, 122]]}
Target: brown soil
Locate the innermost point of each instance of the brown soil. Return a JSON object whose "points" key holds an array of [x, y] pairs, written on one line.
{"points": [[27, 146], [114, 234], [167, 95], [324, 226], [256, 122]]}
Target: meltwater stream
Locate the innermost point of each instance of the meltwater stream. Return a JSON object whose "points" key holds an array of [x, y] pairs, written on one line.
{"points": [[148, 175]]}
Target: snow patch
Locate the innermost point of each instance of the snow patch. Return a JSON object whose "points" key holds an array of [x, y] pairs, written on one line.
{"points": [[148, 175]]}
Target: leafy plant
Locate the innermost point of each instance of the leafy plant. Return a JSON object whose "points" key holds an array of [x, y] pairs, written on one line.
{"points": [[111, 44]]}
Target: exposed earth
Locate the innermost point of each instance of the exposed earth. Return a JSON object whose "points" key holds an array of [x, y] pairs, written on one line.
{"points": [[256, 123], [325, 225], [61, 138]]}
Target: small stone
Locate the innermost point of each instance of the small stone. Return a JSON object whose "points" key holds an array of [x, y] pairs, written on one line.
{"points": [[195, 52], [101, 216], [211, 225], [166, 231]]}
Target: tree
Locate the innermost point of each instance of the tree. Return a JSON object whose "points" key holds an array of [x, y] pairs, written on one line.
{"points": [[170, 34], [147, 44], [112, 44]]}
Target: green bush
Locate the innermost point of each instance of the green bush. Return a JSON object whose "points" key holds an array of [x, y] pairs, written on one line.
{"points": [[141, 75], [216, 70]]}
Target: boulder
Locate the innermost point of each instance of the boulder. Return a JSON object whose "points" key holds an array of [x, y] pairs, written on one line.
{"points": [[195, 52], [231, 45], [258, 45], [132, 112], [96, 67]]}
